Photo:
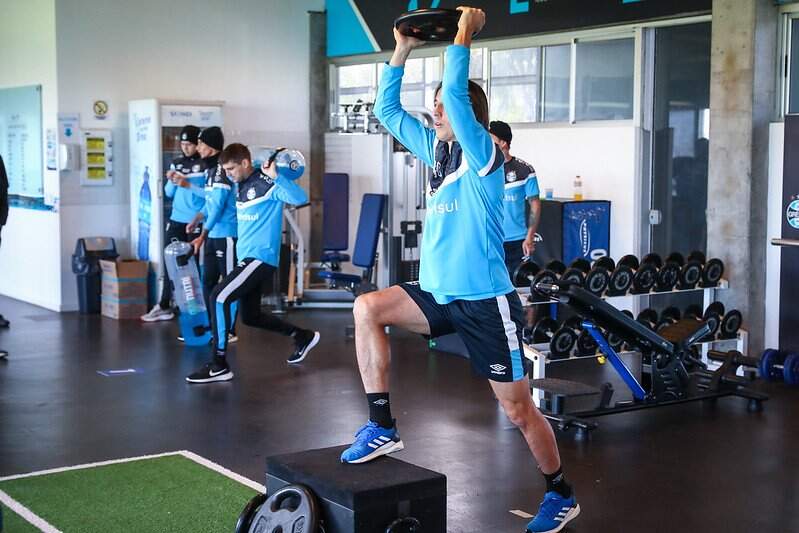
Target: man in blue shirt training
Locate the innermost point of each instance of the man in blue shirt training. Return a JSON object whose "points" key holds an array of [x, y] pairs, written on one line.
{"points": [[463, 285], [260, 195], [521, 186]]}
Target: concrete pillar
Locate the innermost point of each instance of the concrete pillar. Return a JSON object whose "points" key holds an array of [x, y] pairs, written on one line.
{"points": [[743, 51], [318, 124]]}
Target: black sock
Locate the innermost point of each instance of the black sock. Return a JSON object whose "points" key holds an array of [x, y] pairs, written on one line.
{"points": [[380, 409], [219, 358], [556, 482]]}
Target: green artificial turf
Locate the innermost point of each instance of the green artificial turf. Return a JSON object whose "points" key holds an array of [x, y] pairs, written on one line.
{"points": [[12, 523], [166, 495]]}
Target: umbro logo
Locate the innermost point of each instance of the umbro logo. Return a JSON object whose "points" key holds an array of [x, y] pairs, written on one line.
{"points": [[380, 402], [220, 254], [498, 369]]}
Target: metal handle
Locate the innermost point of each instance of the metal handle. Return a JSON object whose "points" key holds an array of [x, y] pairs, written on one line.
{"points": [[784, 242]]}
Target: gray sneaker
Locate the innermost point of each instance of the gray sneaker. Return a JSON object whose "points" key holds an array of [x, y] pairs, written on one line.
{"points": [[156, 314]]}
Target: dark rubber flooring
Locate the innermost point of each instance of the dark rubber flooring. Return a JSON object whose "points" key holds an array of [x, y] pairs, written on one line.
{"points": [[689, 468]]}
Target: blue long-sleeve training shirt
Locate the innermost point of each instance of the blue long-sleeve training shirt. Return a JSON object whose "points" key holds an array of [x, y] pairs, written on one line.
{"points": [[186, 204], [219, 211], [462, 255], [521, 184], [259, 209]]}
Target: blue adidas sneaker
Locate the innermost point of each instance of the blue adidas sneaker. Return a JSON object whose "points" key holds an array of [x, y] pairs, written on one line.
{"points": [[553, 515], [372, 441]]}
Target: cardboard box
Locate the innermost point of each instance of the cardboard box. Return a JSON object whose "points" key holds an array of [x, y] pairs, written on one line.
{"points": [[124, 288]]}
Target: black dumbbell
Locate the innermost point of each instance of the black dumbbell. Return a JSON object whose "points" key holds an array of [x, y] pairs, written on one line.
{"points": [[690, 269], [595, 279], [713, 315], [575, 273], [529, 274], [778, 365], [556, 266], [621, 277], [645, 274], [669, 316], [627, 346], [561, 338], [669, 273], [586, 345], [693, 311], [712, 270], [649, 318], [730, 324]]}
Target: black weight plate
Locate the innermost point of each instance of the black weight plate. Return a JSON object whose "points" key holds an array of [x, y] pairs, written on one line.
{"points": [[645, 278], [648, 315], [586, 345], [620, 280], [545, 276], [596, 281], [693, 311], [562, 343], [671, 313], [676, 257], [573, 275], [248, 513], [429, 24], [581, 264], [653, 259], [292, 508], [690, 274], [522, 276], [605, 262], [730, 324], [713, 272], [697, 256], [715, 307], [615, 341], [629, 261], [628, 313], [556, 266], [543, 330], [668, 277]]}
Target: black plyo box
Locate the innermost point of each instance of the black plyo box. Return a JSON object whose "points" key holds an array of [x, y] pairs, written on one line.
{"points": [[363, 498]]}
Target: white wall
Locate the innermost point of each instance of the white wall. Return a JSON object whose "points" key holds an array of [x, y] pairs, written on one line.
{"points": [[605, 158], [774, 229], [30, 241], [252, 54]]}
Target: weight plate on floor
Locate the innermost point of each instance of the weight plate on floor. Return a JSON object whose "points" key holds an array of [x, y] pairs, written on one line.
{"points": [[596, 281], [586, 345], [248, 513], [292, 508], [522, 276], [562, 343], [620, 280], [644, 278], [766, 365], [790, 371], [713, 272], [730, 324], [690, 275], [653, 259]]}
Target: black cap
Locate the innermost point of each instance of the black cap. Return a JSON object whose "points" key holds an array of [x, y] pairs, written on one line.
{"points": [[501, 130], [213, 137], [189, 134]]}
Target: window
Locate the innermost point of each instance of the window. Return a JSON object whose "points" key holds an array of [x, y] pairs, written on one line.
{"points": [[420, 81], [793, 95], [514, 84], [557, 77], [356, 82], [476, 71], [605, 80]]}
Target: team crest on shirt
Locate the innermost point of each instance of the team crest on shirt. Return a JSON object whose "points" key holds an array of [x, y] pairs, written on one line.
{"points": [[251, 193], [196, 168], [511, 176]]}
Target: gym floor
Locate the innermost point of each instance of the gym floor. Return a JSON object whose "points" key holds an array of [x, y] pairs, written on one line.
{"points": [[693, 467]]}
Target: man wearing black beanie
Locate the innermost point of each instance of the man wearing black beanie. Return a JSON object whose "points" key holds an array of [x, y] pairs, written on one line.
{"points": [[185, 172]]}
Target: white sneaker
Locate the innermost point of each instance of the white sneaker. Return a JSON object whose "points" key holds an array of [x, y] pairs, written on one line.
{"points": [[232, 338], [156, 314]]}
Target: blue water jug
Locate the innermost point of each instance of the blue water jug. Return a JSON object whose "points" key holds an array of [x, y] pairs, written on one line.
{"points": [[145, 210], [188, 291]]}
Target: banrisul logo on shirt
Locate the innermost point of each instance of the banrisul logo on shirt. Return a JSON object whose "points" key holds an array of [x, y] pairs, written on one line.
{"points": [[792, 214], [443, 208], [585, 237]]}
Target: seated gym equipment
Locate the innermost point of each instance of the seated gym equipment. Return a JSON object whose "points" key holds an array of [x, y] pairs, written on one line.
{"points": [[364, 254], [666, 360], [776, 365], [439, 25], [383, 495], [335, 219]]}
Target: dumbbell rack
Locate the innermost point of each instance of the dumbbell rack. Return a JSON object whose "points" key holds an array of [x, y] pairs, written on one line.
{"points": [[538, 354]]}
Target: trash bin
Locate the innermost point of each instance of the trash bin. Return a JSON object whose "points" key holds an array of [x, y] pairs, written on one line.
{"points": [[86, 265]]}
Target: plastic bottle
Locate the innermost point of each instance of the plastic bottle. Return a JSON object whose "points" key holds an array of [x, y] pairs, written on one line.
{"points": [[290, 163], [578, 188], [188, 293], [145, 209]]}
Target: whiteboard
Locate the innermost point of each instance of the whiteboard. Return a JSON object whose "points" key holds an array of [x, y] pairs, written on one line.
{"points": [[21, 140]]}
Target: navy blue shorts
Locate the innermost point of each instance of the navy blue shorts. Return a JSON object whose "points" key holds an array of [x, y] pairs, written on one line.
{"points": [[513, 255], [491, 329]]}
